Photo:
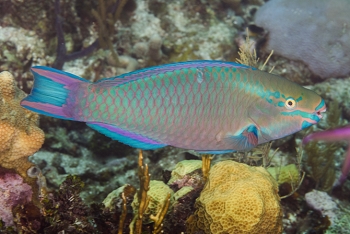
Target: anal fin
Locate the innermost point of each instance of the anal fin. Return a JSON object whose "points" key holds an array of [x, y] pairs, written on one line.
{"points": [[214, 151], [126, 137]]}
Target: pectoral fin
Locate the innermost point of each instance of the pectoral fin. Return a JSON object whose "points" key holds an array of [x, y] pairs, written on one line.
{"points": [[246, 140]]}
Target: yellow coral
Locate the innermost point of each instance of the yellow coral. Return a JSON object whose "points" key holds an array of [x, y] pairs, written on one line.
{"points": [[237, 199], [157, 193], [20, 135]]}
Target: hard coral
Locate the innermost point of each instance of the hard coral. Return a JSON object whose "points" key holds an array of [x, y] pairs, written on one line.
{"points": [[20, 136], [237, 199]]}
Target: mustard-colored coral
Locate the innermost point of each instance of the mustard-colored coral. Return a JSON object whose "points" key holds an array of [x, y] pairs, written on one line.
{"points": [[157, 193], [20, 135], [237, 199]]}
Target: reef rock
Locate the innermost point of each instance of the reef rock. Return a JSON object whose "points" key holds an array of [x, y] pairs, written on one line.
{"points": [[316, 32], [13, 192]]}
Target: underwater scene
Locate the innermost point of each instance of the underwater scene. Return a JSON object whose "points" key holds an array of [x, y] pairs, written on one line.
{"points": [[175, 116]]}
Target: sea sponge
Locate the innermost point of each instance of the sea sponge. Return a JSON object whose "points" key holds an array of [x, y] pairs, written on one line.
{"points": [[20, 135], [237, 199], [183, 168], [157, 193], [13, 192], [316, 32], [114, 198], [285, 174]]}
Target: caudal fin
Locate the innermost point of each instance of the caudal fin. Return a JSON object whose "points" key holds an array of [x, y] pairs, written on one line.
{"points": [[50, 92]]}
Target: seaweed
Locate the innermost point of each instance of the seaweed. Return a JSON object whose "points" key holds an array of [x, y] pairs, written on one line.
{"points": [[107, 14], [65, 211], [321, 157]]}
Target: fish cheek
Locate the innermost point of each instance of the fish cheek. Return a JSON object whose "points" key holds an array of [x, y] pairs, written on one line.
{"points": [[264, 117]]}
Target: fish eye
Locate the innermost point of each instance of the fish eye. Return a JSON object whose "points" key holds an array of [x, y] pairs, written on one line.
{"points": [[290, 103]]}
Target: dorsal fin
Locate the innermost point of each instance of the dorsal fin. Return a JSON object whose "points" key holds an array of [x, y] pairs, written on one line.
{"points": [[140, 74]]}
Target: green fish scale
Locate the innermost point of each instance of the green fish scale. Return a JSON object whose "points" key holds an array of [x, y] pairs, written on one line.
{"points": [[170, 107]]}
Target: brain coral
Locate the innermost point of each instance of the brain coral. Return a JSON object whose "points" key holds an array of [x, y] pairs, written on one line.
{"points": [[316, 32], [20, 136], [237, 199]]}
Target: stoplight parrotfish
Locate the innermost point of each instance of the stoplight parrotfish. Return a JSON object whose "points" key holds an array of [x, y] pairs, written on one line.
{"points": [[206, 106], [333, 135]]}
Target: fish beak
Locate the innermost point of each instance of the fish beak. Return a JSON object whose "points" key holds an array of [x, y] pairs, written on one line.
{"points": [[320, 111]]}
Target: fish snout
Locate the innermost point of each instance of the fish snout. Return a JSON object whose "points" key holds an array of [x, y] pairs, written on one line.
{"points": [[320, 111]]}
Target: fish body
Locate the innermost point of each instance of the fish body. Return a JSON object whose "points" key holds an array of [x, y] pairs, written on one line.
{"points": [[207, 106]]}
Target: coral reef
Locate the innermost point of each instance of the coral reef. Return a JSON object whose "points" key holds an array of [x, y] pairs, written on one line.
{"points": [[338, 91], [322, 202], [66, 206], [183, 168], [187, 181], [157, 194], [321, 159], [237, 199], [285, 174], [339, 134], [142, 34], [314, 32], [20, 135], [13, 192]]}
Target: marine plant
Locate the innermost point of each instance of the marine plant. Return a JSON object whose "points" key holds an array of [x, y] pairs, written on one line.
{"points": [[320, 160], [107, 14], [141, 205]]}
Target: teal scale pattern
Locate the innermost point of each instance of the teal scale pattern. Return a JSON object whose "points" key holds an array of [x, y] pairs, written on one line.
{"points": [[187, 108]]}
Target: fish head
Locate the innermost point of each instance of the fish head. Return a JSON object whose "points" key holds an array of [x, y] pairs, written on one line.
{"points": [[286, 111]]}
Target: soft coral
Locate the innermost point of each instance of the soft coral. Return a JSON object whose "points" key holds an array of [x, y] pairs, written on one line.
{"points": [[338, 134]]}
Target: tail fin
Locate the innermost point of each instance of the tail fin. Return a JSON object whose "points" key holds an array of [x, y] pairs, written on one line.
{"points": [[50, 92]]}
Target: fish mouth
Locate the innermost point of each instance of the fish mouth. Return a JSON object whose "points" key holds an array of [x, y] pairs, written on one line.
{"points": [[319, 112]]}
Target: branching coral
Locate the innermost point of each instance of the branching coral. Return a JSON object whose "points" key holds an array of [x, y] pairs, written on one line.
{"points": [[20, 135], [152, 201]]}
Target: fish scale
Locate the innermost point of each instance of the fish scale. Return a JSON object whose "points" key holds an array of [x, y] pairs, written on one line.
{"points": [[208, 106], [167, 91]]}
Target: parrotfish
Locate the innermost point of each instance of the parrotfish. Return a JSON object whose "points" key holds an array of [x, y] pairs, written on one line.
{"points": [[205, 106]]}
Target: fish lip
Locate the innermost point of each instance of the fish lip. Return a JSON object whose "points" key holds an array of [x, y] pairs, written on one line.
{"points": [[319, 112]]}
